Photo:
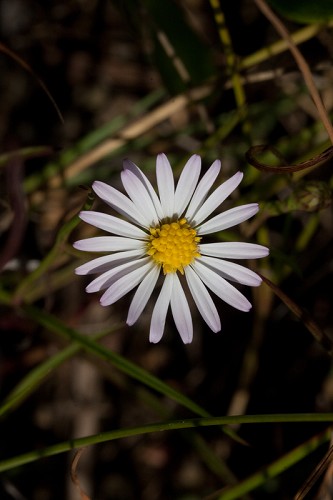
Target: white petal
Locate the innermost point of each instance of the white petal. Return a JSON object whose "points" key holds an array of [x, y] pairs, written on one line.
{"points": [[112, 224], [107, 262], [232, 271], [124, 285], [202, 189], [234, 250], [166, 185], [129, 165], [216, 198], [221, 287], [140, 196], [119, 202], [203, 300], [181, 312], [187, 181], [160, 310], [228, 219], [142, 295], [108, 244], [106, 279]]}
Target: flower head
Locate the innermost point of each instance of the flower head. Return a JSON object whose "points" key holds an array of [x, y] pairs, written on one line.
{"points": [[164, 236]]}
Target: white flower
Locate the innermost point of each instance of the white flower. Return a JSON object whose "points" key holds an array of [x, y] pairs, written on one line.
{"points": [[163, 235]]}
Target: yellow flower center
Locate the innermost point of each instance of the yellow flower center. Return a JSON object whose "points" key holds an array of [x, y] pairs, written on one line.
{"points": [[173, 246]]}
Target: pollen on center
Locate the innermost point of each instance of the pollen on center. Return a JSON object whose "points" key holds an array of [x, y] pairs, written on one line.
{"points": [[173, 246]]}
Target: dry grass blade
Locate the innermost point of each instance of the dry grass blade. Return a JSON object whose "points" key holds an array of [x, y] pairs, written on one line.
{"points": [[308, 485], [301, 62], [74, 475], [28, 68], [133, 131]]}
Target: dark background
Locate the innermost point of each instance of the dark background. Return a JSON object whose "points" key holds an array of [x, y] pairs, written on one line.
{"points": [[98, 59]]}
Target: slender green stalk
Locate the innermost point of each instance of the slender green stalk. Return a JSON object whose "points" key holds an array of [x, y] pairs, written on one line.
{"points": [[32, 380], [36, 376], [173, 425], [231, 62], [25, 154], [274, 469], [305, 237], [125, 366], [280, 46], [62, 236], [58, 279], [90, 345]]}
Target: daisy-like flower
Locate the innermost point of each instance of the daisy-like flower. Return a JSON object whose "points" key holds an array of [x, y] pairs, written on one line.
{"points": [[164, 236]]}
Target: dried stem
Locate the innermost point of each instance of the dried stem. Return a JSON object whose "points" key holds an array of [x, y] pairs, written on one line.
{"points": [[301, 62]]}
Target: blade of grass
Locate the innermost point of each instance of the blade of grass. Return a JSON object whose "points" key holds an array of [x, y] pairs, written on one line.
{"points": [[274, 469], [90, 345], [231, 63], [196, 423], [38, 374], [298, 37], [62, 236], [54, 325], [132, 370]]}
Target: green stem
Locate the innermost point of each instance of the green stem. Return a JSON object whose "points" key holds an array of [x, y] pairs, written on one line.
{"points": [[121, 363], [57, 249], [281, 45], [103, 437], [33, 379], [274, 469], [88, 344]]}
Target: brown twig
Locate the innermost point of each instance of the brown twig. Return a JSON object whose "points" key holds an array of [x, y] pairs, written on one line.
{"points": [[319, 470], [28, 68], [251, 154], [303, 316], [74, 475]]}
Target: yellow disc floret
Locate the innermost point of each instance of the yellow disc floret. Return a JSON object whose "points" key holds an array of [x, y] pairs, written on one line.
{"points": [[173, 246]]}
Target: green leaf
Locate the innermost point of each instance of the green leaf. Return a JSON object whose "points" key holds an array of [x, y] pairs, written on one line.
{"points": [[304, 11]]}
